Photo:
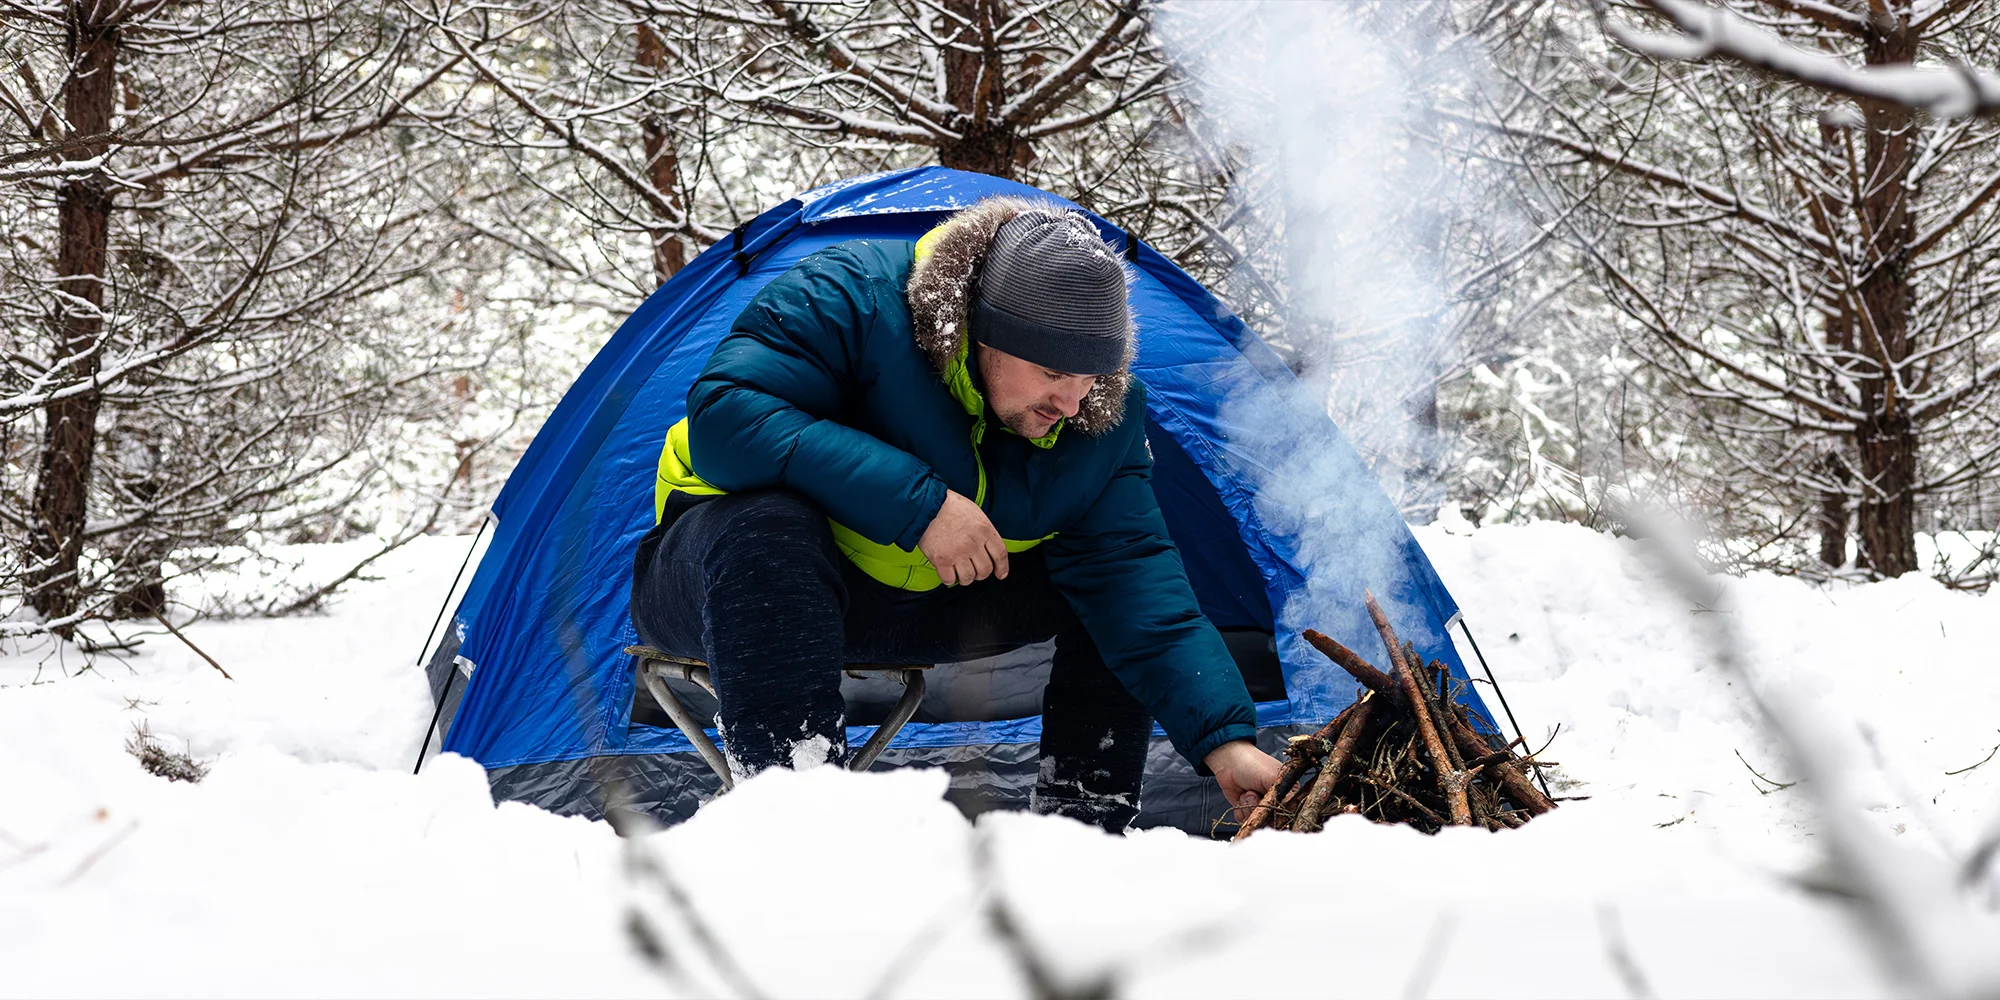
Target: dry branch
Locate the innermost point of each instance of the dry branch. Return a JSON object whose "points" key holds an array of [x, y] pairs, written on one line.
{"points": [[1450, 780], [1300, 762], [1332, 767], [1405, 752], [1358, 668]]}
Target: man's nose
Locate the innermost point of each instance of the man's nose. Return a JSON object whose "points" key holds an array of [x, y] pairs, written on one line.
{"points": [[1068, 403]]}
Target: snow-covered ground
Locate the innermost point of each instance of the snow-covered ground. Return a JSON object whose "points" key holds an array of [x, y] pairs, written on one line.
{"points": [[310, 861]]}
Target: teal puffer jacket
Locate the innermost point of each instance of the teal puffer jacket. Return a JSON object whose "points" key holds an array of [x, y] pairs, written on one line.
{"points": [[822, 387]]}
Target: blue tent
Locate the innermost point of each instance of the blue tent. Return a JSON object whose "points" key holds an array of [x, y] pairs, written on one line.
{"points": [[531, 680]]}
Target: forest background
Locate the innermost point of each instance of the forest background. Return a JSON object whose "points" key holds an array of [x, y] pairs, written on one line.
{"points": [[295, 271]]}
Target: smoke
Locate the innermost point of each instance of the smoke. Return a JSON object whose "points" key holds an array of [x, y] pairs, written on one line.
{"points": [[1342, 210], [1343, 203]]}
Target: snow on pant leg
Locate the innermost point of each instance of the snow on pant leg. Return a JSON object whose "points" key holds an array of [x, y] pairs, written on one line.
{"points": [[750, 582], [1094, 738]]}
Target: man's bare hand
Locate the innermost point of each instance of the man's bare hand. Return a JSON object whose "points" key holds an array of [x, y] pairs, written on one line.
{"points": [[962, 544], [1244, 772]]}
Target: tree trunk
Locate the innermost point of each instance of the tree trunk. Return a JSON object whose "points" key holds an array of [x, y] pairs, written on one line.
{"points": [[1837, 328], [984, 152], [83, 215], [975, 84], [144, 590], [1887, 520], [1886, 443], [1833, 516], [662, 169]]}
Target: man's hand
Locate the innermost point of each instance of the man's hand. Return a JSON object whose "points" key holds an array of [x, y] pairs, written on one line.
{"points": [[1244, 772], [962, 544]]}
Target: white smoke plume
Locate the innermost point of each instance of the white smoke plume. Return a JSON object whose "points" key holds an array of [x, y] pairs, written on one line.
{"points": [[1344, 206], [1347, 203]]}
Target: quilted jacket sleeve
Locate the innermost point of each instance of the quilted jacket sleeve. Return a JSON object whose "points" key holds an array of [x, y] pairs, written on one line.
{"points": [[1125, 579], [764, 412]]}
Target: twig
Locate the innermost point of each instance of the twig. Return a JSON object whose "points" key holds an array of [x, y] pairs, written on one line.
{"points": [[1360, 669], [1330, 769], [1982, 760], [101, 850], [1287, 777], [1620, 953], [913, 953], [319, 594], [1440, 709], [1978, 858], [1431, 959], [1512, 777], [162, 619], [1408, 799], [652, 865], [1553, 733], [1042, 981], [1451, 781], [92, 648], [23, 851], [1780, 785]]}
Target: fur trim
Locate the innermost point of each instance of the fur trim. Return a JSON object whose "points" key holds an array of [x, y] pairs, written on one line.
{"points": [[940, 294]]}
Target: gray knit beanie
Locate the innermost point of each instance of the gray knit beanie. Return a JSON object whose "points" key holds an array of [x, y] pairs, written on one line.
{"points": [[1053, 293]]}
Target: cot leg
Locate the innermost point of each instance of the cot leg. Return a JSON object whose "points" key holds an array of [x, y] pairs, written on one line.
{"points": [[913, 695], [686, 722]]}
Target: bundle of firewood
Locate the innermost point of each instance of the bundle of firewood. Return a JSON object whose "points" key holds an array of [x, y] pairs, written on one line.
{"points": [[1405, 752]]}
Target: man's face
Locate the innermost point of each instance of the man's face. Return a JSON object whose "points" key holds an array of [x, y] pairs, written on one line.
{"points": [[1026, 397]]}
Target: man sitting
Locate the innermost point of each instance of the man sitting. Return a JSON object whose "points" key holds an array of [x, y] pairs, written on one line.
{"points": [[918, 453]]}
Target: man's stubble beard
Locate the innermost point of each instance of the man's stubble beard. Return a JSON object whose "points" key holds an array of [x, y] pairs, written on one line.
{"points": [[1019, 423]]}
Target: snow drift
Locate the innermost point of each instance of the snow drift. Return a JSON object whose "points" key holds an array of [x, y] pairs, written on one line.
{"points": [[310, 861]]}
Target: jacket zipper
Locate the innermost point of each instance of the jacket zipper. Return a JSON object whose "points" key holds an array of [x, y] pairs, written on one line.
{"points": [[979, 463]]}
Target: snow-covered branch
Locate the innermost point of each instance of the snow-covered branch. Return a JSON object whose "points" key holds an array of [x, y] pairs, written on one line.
{"points": [[1708, 32]]}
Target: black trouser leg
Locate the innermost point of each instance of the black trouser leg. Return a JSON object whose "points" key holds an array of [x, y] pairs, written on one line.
{"points": [[1094, 738], [750, 583]]}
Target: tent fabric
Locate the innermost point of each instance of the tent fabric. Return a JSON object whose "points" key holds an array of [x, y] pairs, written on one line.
{"points": [[540, 631]]}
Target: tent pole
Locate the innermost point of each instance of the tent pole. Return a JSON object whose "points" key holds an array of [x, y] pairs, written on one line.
{"points": [[1490, 679], [435, 716], [484, 519], [453, 589]]}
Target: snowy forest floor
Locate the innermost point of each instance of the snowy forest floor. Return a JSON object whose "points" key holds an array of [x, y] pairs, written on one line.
{"points": [[311, 862]]}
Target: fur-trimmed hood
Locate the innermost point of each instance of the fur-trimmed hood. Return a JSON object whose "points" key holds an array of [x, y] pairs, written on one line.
{"points": [[940, 291]]}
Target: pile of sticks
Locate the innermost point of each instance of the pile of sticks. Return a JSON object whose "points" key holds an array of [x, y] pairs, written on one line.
{"points": [[1404, 753]]}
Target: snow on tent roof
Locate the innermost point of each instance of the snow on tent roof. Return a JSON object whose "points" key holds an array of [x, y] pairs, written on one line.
{"points": [[542, 626]]}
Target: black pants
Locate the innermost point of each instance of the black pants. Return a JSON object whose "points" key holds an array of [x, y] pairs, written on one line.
{"points": [[753, 584]]}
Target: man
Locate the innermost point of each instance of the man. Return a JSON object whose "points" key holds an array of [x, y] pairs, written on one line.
{"points": [[913, 453]]}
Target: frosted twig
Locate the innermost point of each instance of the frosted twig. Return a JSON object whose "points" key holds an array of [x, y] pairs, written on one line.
{"points": [[162, 619]]}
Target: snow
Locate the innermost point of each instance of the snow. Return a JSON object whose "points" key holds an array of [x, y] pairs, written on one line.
{"points": [[310, 861]]}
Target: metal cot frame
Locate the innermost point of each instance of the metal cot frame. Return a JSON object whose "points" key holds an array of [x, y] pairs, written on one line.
{"points": [[656, 666]]}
